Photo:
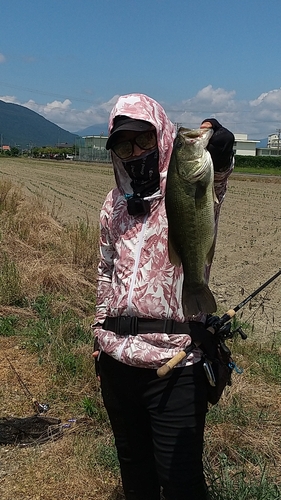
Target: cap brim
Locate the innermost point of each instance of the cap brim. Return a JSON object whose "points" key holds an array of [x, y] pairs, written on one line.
{"points": [[125, 125]]}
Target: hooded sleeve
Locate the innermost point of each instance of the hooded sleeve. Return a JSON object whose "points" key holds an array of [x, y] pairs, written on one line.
{"points": [[105, 267], [220, 146]]}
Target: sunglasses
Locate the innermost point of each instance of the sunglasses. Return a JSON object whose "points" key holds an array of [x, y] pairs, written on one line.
{"points": [[145, 141]]}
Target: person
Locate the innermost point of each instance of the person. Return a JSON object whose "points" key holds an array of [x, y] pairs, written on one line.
{"points": [[158, 423]]}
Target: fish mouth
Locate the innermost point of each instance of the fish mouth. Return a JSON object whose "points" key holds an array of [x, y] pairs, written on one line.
{"points": [[191, 136]]}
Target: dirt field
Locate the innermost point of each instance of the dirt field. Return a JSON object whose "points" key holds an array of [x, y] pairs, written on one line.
{"points": [[248, 253], [249, 241], [72, 190]]}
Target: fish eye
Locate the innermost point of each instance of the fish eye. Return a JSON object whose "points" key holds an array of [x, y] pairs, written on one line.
{"points": [[179, 144]]}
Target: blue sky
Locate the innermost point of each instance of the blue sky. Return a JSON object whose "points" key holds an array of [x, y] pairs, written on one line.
{"points": [[68, 60]]}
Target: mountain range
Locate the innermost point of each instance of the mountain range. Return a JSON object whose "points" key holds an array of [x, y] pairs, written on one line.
{"points": [[100, 129], [21, 127], [262, 143]]}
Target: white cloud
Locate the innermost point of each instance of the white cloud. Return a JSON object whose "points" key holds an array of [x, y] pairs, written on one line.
{"points": [[66, 116], [267, 107], [217, 98], [209, 103], [10, 98], [271, 98], [54, 109], [2, 58], [257, 117]]}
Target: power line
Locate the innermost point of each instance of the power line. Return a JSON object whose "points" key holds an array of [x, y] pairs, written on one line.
{"points": [[278, 130], [53, 94]]}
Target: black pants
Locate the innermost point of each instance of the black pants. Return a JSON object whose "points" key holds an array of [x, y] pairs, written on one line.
{"points": [[158, 425]]}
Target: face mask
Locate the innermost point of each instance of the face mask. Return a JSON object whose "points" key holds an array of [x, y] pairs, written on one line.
{"points": [[144, 173]]}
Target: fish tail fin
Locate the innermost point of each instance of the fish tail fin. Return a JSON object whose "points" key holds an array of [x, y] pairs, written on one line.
{"points": [[198, 300]]}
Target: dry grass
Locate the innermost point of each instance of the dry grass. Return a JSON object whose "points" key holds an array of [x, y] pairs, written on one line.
{"points": [[249, 424], [56, 258], [50, 257], [59, 261]]}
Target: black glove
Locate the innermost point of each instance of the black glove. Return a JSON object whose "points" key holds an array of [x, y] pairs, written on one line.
{"points": [[206, 339], [212, 321], [221, 332], [220, 146]]}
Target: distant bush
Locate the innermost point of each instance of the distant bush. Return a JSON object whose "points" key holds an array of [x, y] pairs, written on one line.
{"points": [[261, 162]]}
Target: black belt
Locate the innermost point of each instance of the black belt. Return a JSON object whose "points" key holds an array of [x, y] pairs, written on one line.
{"points": [[132, 325]]}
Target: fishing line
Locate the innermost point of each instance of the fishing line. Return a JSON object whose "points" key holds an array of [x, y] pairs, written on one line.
{"points": [[53, 94], [261, 306], [40, 408]]}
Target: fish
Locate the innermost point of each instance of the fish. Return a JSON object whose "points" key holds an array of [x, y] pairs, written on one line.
{"points": [[189, 203]]}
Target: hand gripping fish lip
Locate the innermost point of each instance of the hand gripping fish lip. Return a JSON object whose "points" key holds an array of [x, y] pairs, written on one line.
{"points": [[190, 211]]}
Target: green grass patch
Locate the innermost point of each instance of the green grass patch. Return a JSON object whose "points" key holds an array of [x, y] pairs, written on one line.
{"points": [[8, 326], [106, 456], [93, 408], [257, 170], [263, 361], [268, 366], [235, 412], [230, 484]]}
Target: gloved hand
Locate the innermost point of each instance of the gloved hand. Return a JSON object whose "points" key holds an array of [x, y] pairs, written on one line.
{"points": [[221, 332], [200, 335], [220, 145], [211, 321]]}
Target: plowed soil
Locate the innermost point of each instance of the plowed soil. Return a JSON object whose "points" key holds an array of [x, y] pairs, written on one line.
{"points": [[248, 253]]}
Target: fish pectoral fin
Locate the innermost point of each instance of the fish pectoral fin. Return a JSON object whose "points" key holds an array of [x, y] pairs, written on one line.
{"points": [[197, 300], [200, 190], [173, 255], [210, 254]]}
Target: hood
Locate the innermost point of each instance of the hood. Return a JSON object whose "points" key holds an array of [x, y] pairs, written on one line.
{"points": [[142, 107], [215, 124]]}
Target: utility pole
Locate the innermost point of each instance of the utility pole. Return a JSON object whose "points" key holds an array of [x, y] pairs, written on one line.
{"points": [[178, 125], [278, 130]]}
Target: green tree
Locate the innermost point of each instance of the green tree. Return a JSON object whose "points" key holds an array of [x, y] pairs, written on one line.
{"points": [[15, 151]]}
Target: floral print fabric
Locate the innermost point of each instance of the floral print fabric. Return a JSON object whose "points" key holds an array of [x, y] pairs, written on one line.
{"points": [[135, 276]]}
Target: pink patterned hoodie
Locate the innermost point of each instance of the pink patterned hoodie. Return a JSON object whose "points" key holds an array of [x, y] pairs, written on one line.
{"points": [[135, 276]]}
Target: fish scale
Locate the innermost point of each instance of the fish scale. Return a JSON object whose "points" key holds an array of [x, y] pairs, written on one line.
{"points": [[190, 211]]}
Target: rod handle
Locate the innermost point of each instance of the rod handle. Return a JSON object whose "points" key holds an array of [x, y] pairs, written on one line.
{"points": [[163, 370], [230, 313], [167, 367]]}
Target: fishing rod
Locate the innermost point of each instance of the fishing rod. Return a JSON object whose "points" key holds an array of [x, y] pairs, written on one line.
{"points": [[163, 370], [39, 407]]}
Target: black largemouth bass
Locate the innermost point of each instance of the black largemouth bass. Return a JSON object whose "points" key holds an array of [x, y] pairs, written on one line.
{"points": [[190, 211]]}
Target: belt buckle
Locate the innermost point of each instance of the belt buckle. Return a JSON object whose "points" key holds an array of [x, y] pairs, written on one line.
{"points": [[127, 325]]}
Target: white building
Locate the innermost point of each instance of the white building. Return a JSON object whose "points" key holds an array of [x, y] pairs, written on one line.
{"points": [[243, 146], [273, 141], [273, 146]]}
